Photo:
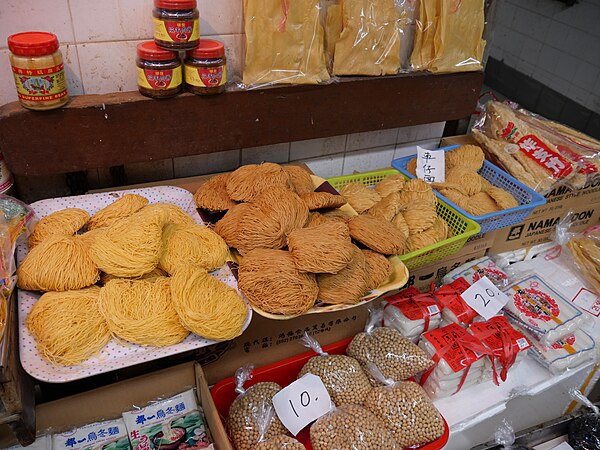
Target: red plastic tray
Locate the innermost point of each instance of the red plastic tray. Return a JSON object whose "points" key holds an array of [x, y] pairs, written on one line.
{"points": [[285, 372]]}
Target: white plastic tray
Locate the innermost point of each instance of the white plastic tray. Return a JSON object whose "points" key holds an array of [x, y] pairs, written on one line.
{"points": [[115, 355]]}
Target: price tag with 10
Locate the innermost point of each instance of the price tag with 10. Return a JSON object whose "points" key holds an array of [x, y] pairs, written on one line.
{"points": [[485, 298], [302, 402]]}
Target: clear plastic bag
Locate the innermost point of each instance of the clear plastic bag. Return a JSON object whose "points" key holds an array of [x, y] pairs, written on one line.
{"points": [[584, 249], [537, 307], [454, 308], [584, 432], [508, 347], [529, 153], [264, 416], [396, 356], [449, 36], [342, 375], [473, 271], [284, 43], [251, 417], [364, 37], [405, 409], [412, 313], [351, 427], [105, 434], [505, 436]]}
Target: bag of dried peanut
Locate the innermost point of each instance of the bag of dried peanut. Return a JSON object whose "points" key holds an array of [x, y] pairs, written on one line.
{"points": [[246, 422], [351, 427], [405, 410], [396, 356], [342, 375]]}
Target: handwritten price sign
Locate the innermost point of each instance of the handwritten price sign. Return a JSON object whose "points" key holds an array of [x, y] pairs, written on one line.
{"points": [[485, 298], [302, 402], [431, 165]]}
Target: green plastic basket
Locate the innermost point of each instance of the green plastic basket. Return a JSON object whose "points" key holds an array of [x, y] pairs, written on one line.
{"points": [[461, 227]]}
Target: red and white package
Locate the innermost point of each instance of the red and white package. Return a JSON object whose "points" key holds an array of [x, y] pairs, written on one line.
{"points": [[458, 357], [412, 313], [473, 271], [508, 346], [454, 308]]}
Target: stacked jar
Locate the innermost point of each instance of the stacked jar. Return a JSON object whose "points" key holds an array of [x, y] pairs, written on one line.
{"points": [[177, 29]]}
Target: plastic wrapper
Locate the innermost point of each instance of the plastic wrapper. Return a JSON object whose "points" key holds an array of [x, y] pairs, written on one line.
{"points": [[284, 43], [540, 158], [584, 431], [393, 354], [411, 313], [535, 306], [474, 270], [109, 435], [405, 409], [458, 357], [505, 436], [264, 416], [454, 308], [509, 347], [567, 353], [364, 37], [585, 250], [449, 36], [251, 419], [176, 421], [351, 427], [343, 376], [40, 443]]}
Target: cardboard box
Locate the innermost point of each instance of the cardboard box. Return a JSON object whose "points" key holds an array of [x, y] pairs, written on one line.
{"points": [[111, 401], [540, 229]]}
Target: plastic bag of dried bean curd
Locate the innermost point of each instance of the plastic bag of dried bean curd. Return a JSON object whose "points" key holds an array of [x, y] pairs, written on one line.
{"points": [[405, 410], [343, 377], [246, 422], [412, 313], [396, 356], [351, 427]]}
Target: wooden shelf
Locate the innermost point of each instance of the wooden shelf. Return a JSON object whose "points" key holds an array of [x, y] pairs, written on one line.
{"points": [[96, 131]]}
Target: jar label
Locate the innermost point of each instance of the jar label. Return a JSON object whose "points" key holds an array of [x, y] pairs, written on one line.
{"points": [[159, 80], [176, 31], [206, 76], [6, 180], [40, 85]]}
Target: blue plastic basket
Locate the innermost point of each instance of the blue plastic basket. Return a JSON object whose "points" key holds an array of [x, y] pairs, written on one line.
{"points": [[528, 199]]}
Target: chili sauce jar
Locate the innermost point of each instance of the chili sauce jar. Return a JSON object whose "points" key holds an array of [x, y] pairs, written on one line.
{"points": [[158, 70], [38, 69], [176, 24], [205, 68]]}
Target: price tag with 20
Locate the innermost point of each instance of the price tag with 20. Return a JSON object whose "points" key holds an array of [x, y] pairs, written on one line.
{"points": [[485, 298], [302, 402]]}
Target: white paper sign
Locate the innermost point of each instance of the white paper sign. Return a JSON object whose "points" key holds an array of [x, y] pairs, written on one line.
{"points": [[302, 402], [431, 165], [485, 298], [588, 301]]}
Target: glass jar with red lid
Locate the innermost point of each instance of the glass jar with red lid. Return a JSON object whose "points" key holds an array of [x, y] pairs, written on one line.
{"points": [[205, 68], [176, 24], [38, 68], [159, 71]]}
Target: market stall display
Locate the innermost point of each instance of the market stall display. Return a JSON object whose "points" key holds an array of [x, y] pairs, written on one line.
{"points": [[478, 189], [119, 229]]}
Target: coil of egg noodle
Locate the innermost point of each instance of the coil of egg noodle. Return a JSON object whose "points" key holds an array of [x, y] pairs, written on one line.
{"points": [[411, 313], [540, 309], [474, 270], [457, 365]]}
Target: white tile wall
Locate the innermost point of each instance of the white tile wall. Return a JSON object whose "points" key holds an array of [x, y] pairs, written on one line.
{"points": [[278, 153], [370, 159], [554, 43], [189, 166], [312, 148], [371, 139]]}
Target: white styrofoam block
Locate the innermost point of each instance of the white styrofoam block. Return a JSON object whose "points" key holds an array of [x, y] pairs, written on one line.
{"points": [[313, 148], [371, 139], [111, 20], [326, 166], [188, 166], [222, 17], [366, 160], [278, 153], [36, 15]]}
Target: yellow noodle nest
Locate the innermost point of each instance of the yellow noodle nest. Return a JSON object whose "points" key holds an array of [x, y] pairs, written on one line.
{"points": [[245, 183], [348, 285], [58, 263], [131, 246], [156, 273], [300, 179], [206, 306], [360, 197], [173, 213], [68, 326], [141, 312], [213, 195], [123, 207], [192, 245], [378, 269], [65, 222], [272, 283]]}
